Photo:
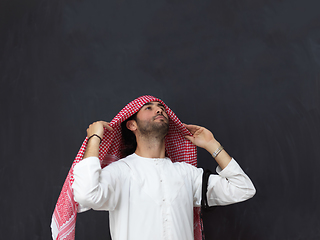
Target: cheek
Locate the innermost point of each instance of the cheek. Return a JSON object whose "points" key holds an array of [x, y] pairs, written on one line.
{"points": [[143, 115]]}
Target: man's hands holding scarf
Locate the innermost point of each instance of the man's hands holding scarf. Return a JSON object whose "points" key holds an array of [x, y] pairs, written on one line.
{"points": [[95, 134], [98, 128], [203, 138]]}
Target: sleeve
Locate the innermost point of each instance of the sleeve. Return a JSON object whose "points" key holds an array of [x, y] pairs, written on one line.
{"points": [[97, 188], [231, 185]]}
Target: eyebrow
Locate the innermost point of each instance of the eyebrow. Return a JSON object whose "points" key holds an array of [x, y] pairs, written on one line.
{"points": [[158, 104]]}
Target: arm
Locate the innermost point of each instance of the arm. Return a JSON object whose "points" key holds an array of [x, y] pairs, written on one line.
{"points": [[93, 187], [228, 186], [203, 138], [232, 184]]}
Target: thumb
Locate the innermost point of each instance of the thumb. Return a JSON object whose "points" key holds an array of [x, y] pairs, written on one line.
{"points": [[190, 138]]}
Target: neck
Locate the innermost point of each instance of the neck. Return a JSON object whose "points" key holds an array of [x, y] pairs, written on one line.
{"points": [[150, 147]]}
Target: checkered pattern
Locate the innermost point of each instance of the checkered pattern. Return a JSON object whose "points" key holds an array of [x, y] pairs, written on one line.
{"points": [[178, 149]]}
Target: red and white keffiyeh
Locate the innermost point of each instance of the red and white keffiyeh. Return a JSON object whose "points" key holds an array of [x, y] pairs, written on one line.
{"points": [[178, 149]]}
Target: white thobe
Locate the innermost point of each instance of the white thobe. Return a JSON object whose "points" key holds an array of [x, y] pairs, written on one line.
{"points": [[150, 198]]}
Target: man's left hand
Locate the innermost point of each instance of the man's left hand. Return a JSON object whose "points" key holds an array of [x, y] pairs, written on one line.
{"points": [[202, 137]]}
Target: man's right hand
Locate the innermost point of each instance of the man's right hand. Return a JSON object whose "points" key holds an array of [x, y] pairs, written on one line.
{"points": [[97, 128]]}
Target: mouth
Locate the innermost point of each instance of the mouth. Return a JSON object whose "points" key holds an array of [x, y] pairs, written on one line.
{"points": [[160, 117]]}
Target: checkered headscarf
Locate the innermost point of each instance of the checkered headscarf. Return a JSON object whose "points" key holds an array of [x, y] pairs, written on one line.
{"points": [[178, 149]]}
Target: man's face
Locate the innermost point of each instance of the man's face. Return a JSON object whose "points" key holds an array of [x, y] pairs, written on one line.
{"points": [[152, 118]]}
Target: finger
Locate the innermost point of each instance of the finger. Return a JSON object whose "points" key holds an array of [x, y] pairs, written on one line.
{"points": [[107, 125], [192, 128], [190, 138]]}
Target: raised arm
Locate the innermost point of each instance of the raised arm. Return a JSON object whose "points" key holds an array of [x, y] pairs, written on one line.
{"points": [[93, 187], [203, 138], [232, 184]]}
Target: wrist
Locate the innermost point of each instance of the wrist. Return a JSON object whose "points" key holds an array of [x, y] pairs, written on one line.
{"points": [[92, 149], [95, 138], [213, 146], [217, 152]]}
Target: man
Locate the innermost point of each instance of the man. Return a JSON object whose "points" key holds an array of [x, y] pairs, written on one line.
{"points": [[149, 196]]}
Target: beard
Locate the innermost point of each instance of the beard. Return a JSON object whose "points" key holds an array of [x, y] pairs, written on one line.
{"points": [[153, 129]]}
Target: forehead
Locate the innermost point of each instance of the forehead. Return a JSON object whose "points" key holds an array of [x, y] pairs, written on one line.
{"points": [[153, 103]]}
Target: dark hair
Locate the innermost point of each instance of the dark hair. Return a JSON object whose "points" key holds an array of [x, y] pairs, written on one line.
{"points": [[129, 142]]}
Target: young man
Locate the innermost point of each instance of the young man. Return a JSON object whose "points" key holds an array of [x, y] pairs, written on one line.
{"points": [[147, 193]]}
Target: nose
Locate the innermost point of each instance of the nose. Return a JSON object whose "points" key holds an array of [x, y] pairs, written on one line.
{"points": [[159, 110]]}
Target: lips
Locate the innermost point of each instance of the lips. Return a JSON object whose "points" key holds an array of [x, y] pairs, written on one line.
{"points": [[160, 117]]}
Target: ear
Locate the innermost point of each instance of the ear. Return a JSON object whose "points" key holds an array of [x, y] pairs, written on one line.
{"points": [[131, 125]]}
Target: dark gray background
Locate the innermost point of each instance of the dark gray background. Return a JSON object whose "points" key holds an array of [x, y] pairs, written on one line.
{"points": [[247, 70]]}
